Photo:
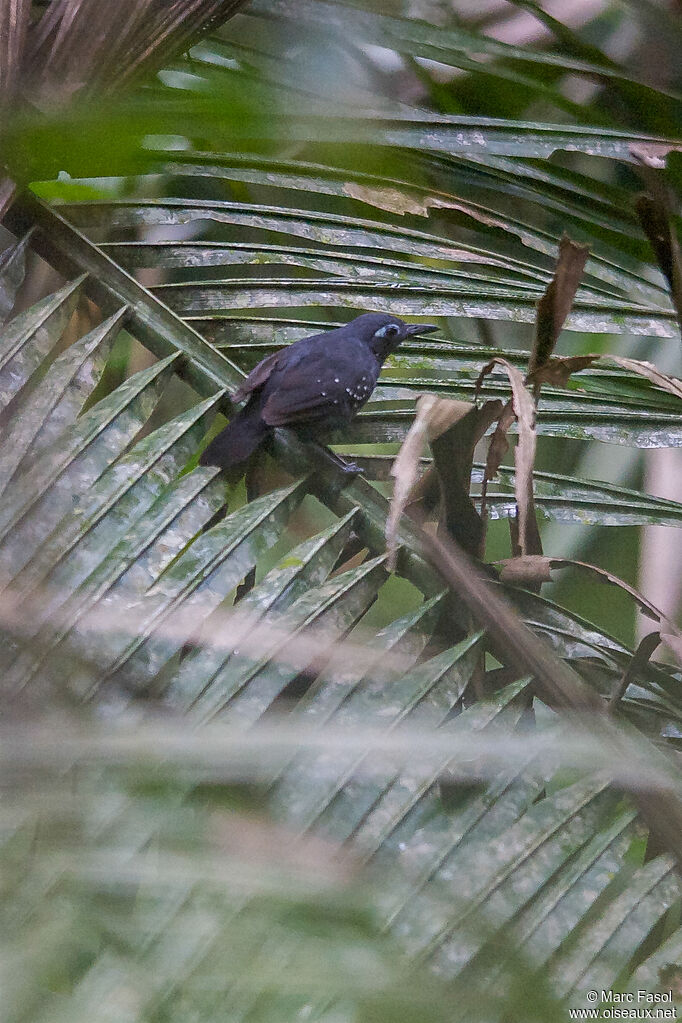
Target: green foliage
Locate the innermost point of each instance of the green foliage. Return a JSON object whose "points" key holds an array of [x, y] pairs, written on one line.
{"points": [[240, 784]]}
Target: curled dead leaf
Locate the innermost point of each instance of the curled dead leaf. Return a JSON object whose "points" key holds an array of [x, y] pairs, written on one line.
{"points": [[497, 449], [453, 453], [452, 428], [523, 407], [538, 569], [638, 663], [648, 370], [442, 414], [557, 301], [556, 371], [405, 472], [526, 570]]}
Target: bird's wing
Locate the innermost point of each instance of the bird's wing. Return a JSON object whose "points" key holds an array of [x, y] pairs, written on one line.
{"points": [[286, 357], [258, 376], [306, 391]]}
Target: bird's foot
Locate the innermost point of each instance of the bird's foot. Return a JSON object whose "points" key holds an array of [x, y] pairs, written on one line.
{"points": [[347, 468]]}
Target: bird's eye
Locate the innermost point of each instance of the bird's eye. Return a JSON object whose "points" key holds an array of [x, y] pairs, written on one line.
{"points": [[391, 330]]}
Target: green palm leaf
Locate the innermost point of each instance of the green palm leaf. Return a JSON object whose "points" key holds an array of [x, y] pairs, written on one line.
{"points": [[464, 847]]}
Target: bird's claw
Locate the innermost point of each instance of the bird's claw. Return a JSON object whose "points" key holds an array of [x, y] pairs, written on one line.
{"points": [[347, 468]]}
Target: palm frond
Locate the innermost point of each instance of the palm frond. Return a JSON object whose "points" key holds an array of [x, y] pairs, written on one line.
{"points": [[278, 791]]}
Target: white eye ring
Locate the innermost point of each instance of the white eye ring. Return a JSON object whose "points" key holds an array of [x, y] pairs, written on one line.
{"points": [[390, 330]]}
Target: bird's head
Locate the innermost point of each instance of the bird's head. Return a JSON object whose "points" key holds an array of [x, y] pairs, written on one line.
{"points": [[385, 333]]}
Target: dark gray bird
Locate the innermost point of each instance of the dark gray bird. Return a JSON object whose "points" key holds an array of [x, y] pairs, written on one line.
{"points": [[314, 385]]}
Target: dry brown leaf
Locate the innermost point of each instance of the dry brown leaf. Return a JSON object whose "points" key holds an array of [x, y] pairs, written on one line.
{"points": [[655, 212], [405, 472], [452, 428], [648, 370], [497, 449], [443, 413], [526, 570], [608, 577], [524, 455], [556, 371], [453, 453], [638, 663], [542, 565], [557, 301], [654, 216]]}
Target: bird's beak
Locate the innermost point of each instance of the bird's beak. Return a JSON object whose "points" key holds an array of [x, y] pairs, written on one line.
{"points": [[421, 328]]}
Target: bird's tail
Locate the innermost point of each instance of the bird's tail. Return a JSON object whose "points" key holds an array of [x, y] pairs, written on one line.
{"points": [[238, 440]]}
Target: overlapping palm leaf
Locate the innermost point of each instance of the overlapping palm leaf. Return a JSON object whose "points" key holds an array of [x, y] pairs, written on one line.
{"points": [[122, 559]]}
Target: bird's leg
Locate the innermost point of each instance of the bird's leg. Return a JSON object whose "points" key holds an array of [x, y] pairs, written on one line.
{"points": [[349, 468]]}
